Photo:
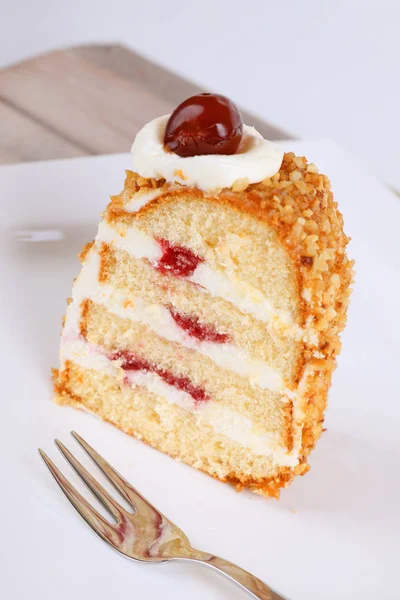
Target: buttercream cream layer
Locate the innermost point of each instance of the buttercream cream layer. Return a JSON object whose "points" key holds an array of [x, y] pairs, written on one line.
{"points": [[159, 319], [241, 294], [221, 418]]}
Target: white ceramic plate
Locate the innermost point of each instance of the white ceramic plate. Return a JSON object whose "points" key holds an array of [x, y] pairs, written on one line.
{"points": [[334, 533]]}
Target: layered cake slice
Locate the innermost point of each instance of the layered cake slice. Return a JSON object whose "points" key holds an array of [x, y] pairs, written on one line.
{"points": [[205, 319]]}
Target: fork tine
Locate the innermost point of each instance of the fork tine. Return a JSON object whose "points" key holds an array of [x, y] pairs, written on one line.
{"points": [[101, 494], [100, 525], [139, 503]]}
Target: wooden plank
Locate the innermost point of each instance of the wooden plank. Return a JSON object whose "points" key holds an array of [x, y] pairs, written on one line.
{"points": [[23, 139], [159, 81], [91, 106], [87, 100]]}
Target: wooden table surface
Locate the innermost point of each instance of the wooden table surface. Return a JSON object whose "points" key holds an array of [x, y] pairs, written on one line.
{"points": [[87, 100]]}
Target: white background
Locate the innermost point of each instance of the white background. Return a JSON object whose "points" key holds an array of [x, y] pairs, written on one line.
{"points": [[318, 68]]}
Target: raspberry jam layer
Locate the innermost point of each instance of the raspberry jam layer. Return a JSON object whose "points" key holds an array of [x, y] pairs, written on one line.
{"points": [[132, 362], [204, 333], [177, 260]]}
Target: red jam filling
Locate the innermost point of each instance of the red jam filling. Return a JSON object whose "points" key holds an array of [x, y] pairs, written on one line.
{"points": [[177, 260], [201, 332], [131, 362]]}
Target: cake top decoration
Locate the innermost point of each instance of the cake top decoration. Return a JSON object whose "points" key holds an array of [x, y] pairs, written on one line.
{"points": [[204, 144], [204, 124]]}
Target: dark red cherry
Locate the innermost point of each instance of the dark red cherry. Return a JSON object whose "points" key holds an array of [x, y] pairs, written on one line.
{"points": [[204, 124]]}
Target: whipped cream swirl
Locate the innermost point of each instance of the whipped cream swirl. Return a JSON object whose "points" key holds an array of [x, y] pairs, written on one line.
{"points": [[255, 159]]}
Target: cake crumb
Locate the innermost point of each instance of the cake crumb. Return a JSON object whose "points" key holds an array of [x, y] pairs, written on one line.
{"points": [[240, 185], [179, 173]]}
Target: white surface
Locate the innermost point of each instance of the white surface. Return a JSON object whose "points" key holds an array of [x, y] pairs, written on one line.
{"points": [[317, 68], [254, 160], [342, 541]]}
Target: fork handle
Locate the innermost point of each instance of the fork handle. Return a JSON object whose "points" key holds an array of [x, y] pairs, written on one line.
{"points": [[257, 588]]}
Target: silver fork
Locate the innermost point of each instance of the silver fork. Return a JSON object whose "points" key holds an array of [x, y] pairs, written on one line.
{"points": [[145, 535]]}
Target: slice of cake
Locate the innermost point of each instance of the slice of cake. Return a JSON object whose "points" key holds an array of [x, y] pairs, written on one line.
{"points": [[205, 319]]}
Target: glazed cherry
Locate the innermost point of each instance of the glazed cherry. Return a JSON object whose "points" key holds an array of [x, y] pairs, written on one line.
{"points": [[204, 124]]}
